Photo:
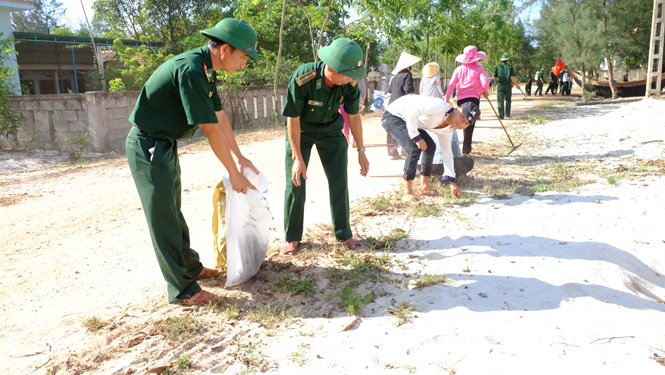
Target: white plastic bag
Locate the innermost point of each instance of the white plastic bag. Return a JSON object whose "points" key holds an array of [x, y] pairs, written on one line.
{"points": [[379, 98], [248, 221]]}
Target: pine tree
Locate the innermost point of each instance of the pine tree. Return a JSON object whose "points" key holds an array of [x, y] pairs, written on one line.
{"points": [[43, 18]]}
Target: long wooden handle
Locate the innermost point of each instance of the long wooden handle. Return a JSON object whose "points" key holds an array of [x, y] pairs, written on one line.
{"points": [[498, 118]]}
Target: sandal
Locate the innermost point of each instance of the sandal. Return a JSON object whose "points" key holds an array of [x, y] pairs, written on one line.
{"points": [[200, 298], [207, 273], [290, 248]]}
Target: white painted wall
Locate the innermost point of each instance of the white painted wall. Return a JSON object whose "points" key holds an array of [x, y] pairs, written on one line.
{"points": [[6, 28]]}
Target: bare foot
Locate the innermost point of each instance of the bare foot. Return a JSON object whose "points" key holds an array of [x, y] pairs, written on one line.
{"points": [[207, 273], [508, 117], [428, 190], [352, 244], [410, 199], [200, 298], [290, 248]]}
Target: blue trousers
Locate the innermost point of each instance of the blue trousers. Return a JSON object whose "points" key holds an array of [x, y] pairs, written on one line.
{"points": [[396, 127]]}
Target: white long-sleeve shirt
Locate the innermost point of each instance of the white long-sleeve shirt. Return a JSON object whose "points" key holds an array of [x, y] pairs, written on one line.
{"points": [[423, 112]]}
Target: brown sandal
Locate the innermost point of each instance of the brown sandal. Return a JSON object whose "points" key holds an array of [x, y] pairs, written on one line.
{"points": [[200, 298], [207, 273]]}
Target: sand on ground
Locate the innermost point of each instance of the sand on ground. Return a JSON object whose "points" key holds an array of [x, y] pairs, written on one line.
{"points": [[558, 281]]}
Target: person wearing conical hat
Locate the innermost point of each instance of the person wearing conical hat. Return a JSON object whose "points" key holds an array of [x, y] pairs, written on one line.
{"points": [[471, 80], [180, 95], [315, 93], [529, 82], [505, 76], [400, 84], [430, 84], [540, 82]]}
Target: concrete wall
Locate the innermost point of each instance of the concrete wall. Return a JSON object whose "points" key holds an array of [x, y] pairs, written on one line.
{"points": [[53, 120]]}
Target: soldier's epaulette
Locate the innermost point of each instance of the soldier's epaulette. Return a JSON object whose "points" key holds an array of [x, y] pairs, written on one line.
{"points": [[354, 83], [306, 77]]}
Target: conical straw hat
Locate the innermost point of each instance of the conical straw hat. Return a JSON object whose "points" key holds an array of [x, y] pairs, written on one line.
{"points": [[405, 60]]}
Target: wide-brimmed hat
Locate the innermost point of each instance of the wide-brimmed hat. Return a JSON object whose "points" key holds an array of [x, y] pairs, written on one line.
{"points": [[405, 60], [345, 57], [470, 55], [431, 69], [505, 57], [236, 33]]}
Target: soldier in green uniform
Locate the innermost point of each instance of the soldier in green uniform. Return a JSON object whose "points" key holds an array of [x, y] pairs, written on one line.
{"points": [[529, 82], [505, 77], [315, 93], [180, 95], [539, 82], [560, 80]]}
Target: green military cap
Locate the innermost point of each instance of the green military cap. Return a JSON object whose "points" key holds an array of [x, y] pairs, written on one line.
{"points": [[528, 70], [236, 33], [344, 56], [505, 57]]}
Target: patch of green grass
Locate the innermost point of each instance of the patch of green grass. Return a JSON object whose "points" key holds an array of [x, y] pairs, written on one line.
{"points": [[175, 326], [298, 355], [92, 322], [287, 283], [354, 302], [402, 311], [360, 268], [425, 209], [183, 362], [410, 369], [269, 316], [388, 241], [429, 280], [614, 179], [535, 120]]}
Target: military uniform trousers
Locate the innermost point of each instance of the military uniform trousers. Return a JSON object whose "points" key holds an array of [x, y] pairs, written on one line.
{"points": [[159, 187], [504, 92], [539, 88], [527, 89], [331, 145]]}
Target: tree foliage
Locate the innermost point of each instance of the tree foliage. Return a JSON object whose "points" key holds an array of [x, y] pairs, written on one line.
{"points": [[10, 117], [45, 16]]}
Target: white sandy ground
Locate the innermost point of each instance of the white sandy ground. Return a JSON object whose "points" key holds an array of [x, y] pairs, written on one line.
{"points": [[558, 282]]}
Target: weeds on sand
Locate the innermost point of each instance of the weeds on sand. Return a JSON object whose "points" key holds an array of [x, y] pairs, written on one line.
{"points": [[402, 311], [359, 268], [298, 355], [270, 316], [183, 362], [92, 322], [287, 283], [354, 302], [410, 369], [386, 242], [535, 120], [175, 326], [429, 280]]}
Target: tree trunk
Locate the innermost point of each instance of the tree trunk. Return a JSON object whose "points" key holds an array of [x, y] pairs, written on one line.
{"points": [[279, 53], [323, 27], [583, 83], [367, 56], [445, 61], [610, 73], [426, 48], [311, 32]]}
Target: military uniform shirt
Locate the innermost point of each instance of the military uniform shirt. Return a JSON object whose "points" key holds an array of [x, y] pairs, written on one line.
{"points": [[528, 78], [179, 95], [503, 73], [309, 98]]}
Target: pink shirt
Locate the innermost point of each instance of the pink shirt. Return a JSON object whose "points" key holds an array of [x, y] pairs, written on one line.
{"points": [[472, 82]]}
